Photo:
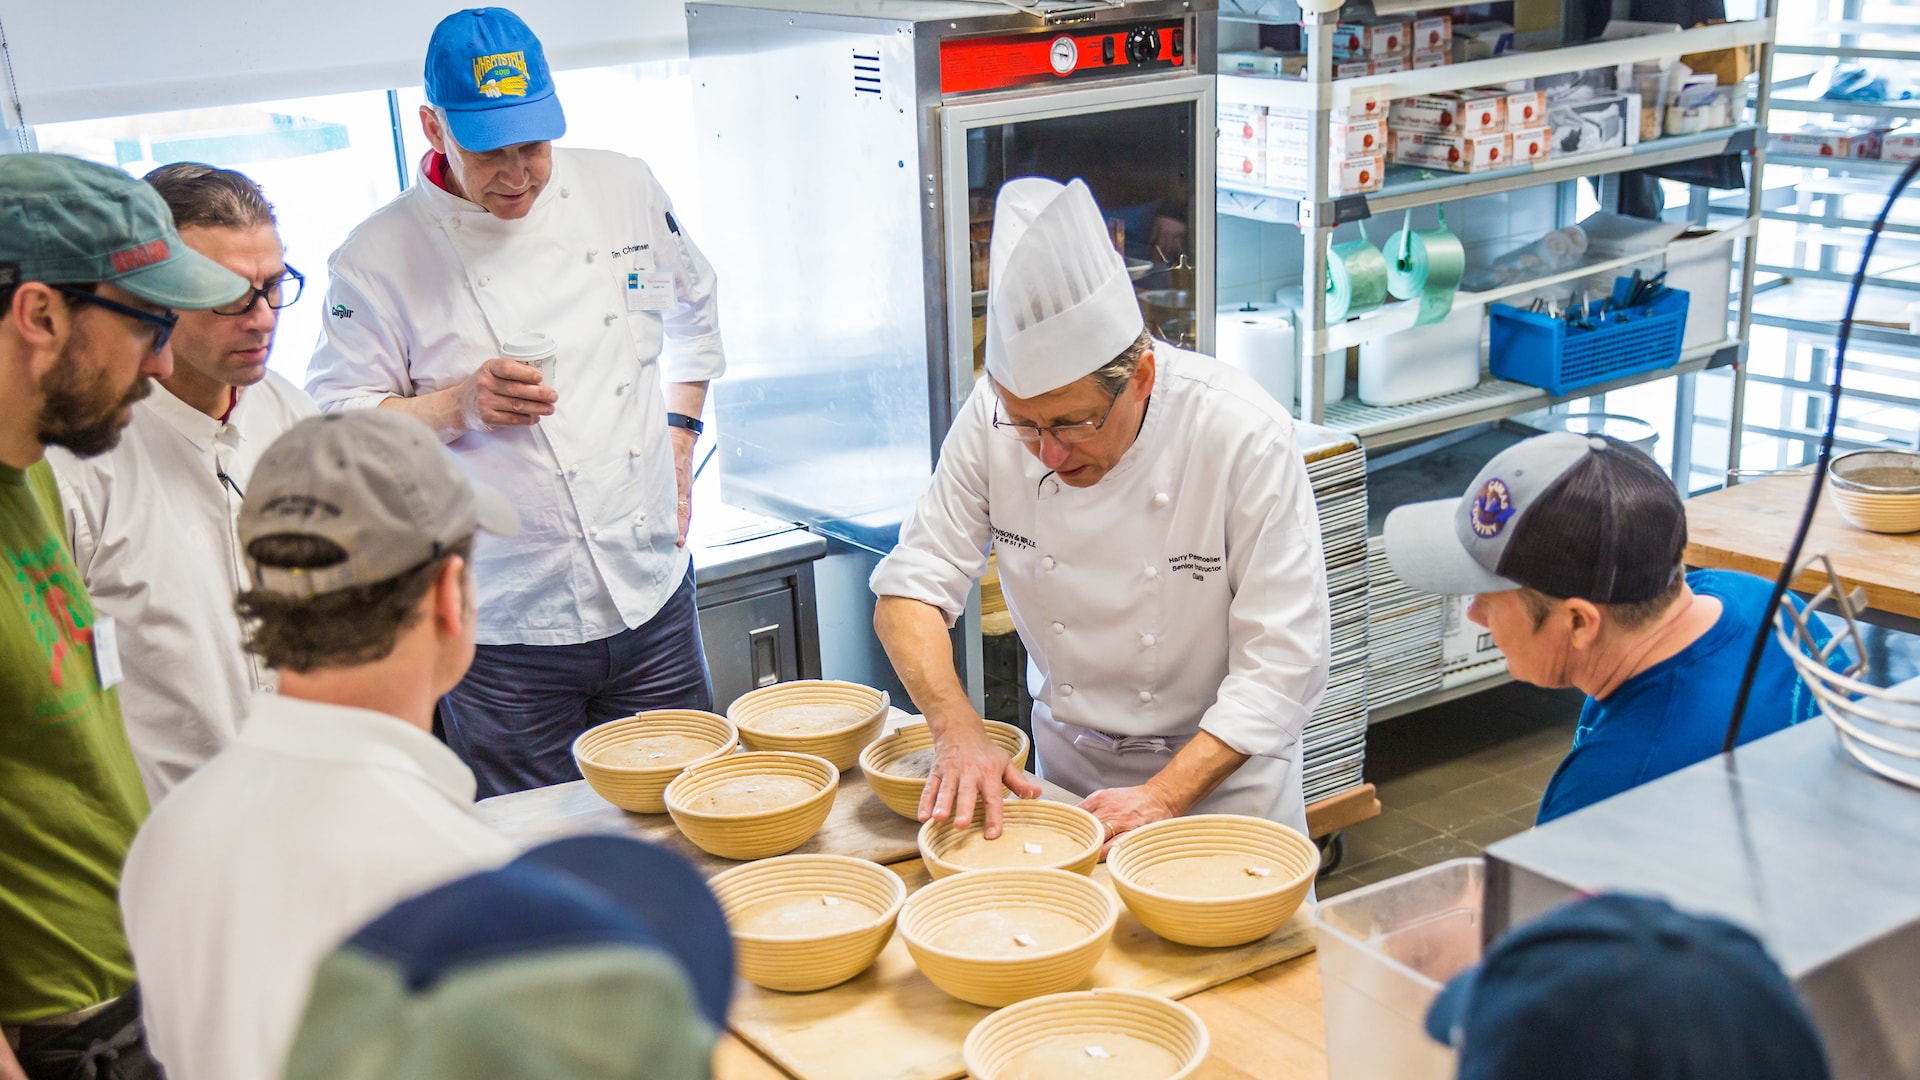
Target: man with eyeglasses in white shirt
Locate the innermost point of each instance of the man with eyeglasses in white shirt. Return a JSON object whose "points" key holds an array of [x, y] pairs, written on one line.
{"points": [[152, 522]]}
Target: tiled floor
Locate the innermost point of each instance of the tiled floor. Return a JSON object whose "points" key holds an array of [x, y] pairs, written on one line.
{"points": [[1454, 779]]}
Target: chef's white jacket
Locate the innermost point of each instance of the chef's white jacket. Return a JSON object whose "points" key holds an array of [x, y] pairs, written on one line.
{"points": [[153, 533], [424, 291], [1184, 591], [319, 818]]}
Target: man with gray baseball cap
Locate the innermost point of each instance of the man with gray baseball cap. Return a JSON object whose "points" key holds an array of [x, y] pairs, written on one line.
{"points": [[336, 800], [1571, 546], [90, 268]]}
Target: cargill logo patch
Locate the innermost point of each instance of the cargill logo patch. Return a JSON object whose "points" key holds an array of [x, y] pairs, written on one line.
{"points": [[501, 75], [1491, 509], [133, 258], [341, 311]]}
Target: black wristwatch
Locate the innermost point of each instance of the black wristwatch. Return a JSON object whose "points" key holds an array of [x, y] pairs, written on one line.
{"points": [[682, 420]]}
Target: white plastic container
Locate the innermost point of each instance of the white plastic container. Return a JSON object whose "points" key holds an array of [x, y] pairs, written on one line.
{"points": [[1385, 952], [1423, 361], [1705, 271], [1259, 340]]}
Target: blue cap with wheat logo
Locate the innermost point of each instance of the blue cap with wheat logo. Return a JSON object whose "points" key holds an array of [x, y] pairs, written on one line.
{"points": [[487, 71]]}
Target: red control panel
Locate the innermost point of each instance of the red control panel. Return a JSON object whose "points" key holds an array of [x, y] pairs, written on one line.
{"points": [[1051, 56]]}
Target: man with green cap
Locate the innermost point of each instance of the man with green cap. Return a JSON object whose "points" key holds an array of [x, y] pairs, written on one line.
{"points": [[91, 269]]}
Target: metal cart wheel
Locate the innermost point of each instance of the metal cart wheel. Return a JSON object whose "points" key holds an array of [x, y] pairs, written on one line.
{"points": [[1333, 849]]}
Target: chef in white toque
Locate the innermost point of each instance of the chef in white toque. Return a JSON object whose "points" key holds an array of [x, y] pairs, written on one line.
{"points": [[1158, 548]]}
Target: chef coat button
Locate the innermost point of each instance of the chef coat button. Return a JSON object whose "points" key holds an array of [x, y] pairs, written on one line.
{"points": [[1146, 696], [1146, 641], [611, 318], [1152, 572], [1066, 690], [1160, 500], [573, 470], [589, 254], [1047, 563], [485, 281], [566, 193], [1059, 628], [595, 533]]}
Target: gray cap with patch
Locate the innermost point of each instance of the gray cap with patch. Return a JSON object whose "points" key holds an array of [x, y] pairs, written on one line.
{"points": [[375, 484], [1569, 515]]}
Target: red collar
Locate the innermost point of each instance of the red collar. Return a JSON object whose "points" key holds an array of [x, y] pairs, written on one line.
{"points": [[233, 402], [434, 168]]}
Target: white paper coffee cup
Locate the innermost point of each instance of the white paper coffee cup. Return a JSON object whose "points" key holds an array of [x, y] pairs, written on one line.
{"points": [[532, 348]]}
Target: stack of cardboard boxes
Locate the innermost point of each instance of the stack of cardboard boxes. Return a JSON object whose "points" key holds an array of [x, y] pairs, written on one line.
{"points": [[1267, 148], [1469, 130], [1383, 45]]}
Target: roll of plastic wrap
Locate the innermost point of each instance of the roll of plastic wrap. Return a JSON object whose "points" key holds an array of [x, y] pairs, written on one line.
{"points": [[1258, 339], [1425, 265], [1356, 279]]}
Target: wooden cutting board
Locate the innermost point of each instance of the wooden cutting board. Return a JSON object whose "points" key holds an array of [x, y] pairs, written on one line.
{"points": [[859, 825], [890, 1023]]}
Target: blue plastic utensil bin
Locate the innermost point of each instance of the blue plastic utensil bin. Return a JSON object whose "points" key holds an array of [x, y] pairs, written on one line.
{"points": [[1540, 350]]}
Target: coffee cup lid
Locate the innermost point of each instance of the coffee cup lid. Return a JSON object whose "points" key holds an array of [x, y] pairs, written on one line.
{"points": [[530, 344]]}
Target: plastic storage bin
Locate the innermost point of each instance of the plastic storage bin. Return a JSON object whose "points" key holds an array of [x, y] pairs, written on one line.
{"points": [[1385, 952], [1540, 350], [1423, 361], [1703, 269]]}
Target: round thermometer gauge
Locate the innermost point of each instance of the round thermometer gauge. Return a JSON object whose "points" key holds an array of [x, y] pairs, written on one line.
{"points": [[1065, 55]]}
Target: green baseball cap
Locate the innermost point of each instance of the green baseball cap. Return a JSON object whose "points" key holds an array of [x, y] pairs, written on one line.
{"points": [[67, 221]]}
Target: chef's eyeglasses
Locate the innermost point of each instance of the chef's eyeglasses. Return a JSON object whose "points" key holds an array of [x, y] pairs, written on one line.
{"points": [[1062, 433], [278, 293], [162, 322]]}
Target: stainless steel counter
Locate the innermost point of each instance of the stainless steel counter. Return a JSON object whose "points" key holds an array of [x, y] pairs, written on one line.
{"points": [[759, 619]]}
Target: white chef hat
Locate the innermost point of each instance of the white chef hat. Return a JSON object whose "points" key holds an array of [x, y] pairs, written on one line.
{"points": [[1059, 302]]}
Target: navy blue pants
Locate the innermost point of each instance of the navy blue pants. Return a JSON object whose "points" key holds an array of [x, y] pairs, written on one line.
{"points": [[514, 717]]}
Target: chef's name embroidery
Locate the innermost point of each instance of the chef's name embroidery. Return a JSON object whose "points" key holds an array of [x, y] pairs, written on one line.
{"points": [[1197, 565], [628, 250], [1002, 536]]}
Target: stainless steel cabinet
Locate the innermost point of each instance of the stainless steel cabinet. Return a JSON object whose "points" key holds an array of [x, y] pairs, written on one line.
{"points": [[759, 623]]}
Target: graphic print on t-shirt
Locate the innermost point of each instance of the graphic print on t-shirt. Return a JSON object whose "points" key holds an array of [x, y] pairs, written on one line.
{"points": [[58, 612]]}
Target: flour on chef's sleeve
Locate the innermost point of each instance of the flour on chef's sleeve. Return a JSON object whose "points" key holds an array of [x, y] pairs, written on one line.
{"points": [[361, 358]]}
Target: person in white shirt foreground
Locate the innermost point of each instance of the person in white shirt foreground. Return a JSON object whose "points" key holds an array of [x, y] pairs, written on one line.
{"points": [[336, 800], [589, 614], [1158, 546], [152, 521]]}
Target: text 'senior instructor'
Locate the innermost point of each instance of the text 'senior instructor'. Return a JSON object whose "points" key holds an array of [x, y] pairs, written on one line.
{"points": [[588, 614], [1158, 548]]}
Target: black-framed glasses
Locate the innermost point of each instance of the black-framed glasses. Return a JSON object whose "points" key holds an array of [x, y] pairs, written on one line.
{"points": [[161, 321], [278, 293], [1065, 434]]}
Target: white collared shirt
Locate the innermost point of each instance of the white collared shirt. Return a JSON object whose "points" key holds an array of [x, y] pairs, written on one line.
{"points": [[152, 527], [316, 820], [424, 291]]}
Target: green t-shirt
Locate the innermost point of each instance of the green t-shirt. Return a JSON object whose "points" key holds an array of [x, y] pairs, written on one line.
{"points": [[70, 795]]}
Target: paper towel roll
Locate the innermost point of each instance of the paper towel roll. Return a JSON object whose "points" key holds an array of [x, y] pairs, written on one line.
{"points": [[1258, 339]]}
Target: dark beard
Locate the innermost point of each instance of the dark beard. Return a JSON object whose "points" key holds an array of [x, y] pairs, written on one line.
{"points": [[78, 409]]}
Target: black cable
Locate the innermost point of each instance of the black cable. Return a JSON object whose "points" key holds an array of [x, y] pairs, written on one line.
{"points": [[1792, 563]]}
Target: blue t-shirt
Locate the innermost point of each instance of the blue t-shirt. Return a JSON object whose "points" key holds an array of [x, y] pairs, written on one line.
{"points": [[1675, 713]]}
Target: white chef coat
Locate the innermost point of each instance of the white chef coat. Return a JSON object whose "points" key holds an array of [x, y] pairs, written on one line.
{"points": [[316, 820], [425, 290], [1185, 591], [153, 533]]}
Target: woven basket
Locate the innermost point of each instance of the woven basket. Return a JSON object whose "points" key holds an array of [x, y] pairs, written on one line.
{"points": [[1213, 922], [804, 960], [639, 788], [1020, 1035], [901, 794], [841, 745], [1073, 838], [1017, 898], [753, 834]]}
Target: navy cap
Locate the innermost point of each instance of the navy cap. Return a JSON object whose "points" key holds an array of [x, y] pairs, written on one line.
{"points": [[594, 956], [1615, 986], [486, 69]]}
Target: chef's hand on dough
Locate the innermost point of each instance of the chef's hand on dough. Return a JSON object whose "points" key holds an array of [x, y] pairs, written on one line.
{"points": [[1125, 809], [969, 767], [505, 393]]}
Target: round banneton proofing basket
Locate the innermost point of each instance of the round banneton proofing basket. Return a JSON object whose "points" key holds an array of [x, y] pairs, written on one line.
{"points": [[1069, 839], [1290, 859], [640, 788], [1010, 902], [840, 745], [1877, 490], [1047, 1036], [814, 898], [753, 834], [900, 793]]}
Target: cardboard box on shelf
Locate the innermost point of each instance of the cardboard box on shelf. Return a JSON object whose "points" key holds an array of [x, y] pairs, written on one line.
{"points": [[1453, 153], [1582, 125], [1828, 140], [1291, 131], [1349, 176], [1466, 643], [1244, 164], [1526, 110], [1363, 105], [1481, 41], [1532, 146], [1385, 64], [1433, 34], [1371, 40], [1265, 62], [1900, 145], [1458, 112], [1239, 121], [1353, 69], [1431, 59]]}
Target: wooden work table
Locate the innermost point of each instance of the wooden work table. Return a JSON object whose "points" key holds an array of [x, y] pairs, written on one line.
{"points": [[1748, 527]]}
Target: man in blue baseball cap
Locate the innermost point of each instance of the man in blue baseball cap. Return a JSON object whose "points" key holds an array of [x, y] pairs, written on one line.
{"points": [[91, 268], [1624, 986], [595, 957], [545, 313]]}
